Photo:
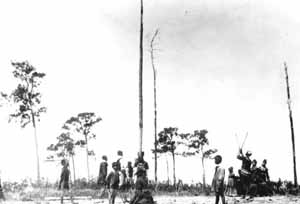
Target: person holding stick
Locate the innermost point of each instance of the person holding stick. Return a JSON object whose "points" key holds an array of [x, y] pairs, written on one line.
{"points": [[245, 171]]}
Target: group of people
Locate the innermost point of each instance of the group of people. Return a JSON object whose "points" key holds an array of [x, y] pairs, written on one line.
{"points": [[121, 178], [252, 180]]}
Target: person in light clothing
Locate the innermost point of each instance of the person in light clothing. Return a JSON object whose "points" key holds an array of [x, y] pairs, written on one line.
{"points": [[218, 180], [231, 182]]}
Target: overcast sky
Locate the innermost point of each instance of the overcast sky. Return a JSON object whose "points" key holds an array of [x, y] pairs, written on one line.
{"points": [[220, 68]]}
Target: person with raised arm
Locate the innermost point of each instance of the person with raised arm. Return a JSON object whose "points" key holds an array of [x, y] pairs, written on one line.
{"points": [[245, 171]]}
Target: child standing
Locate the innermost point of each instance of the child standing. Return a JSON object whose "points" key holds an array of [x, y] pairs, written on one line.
{"points": [[218, 180], [230, 184], [64, 181], [113, 183]]}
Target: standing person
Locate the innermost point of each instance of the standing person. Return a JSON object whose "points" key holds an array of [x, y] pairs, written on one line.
{"points": [[253, 166], [112, 182], [64, 181], [129, 169], [218, 180], [245, 172], [102, 175], [264, 171], [141, 194], [121, 170], [141, 172], [119, 160], [231, 182], [254, 180]]}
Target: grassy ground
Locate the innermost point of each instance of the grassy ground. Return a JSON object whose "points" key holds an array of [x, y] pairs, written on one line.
{"points": [[179, 200]]}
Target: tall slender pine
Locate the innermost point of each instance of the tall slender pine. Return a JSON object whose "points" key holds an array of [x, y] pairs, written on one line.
{"points": [[141, 81], [291, 123]]}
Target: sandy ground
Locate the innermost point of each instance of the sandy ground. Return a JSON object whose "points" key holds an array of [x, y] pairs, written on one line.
{"points": [[182, 200]]}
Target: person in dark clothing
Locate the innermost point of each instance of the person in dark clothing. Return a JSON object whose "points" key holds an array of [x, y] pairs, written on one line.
{"points": [[123, 180], [129, 169], [245, 172], [264, 171], [253, 166], [254, 180], [279, 187], [141, 195], [141, 165], [259, 182], [102, 175], [265, 184], [141, 172], [118, 162], [112, 183], [102, 171], [64, 181]]}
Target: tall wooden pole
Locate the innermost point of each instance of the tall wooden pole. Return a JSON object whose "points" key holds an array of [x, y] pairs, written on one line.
{"points": [[141, 82], [291, 123], [155, 103]]}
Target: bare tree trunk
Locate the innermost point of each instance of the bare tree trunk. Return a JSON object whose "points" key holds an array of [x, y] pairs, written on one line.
{"points": [[174, 172], [203, 174], [168, 173], [155, 105], [87, 159], [292, 125], [141, 82], [36, 148], [73, 164], [203, 168]]}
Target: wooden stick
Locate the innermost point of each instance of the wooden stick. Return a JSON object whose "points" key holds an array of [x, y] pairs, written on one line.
{"points": [[237, 140], [244, 140]]}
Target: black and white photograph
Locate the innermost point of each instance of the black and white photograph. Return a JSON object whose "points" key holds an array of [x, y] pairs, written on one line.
{"points": [[149, 101]]}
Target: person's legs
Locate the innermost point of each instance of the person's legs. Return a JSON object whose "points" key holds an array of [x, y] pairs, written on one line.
{"points": [[222, 194], [110, 196], [102, 191], [217, 198], [63, 192], [243, 186], [71, 196], [223, 198], [245, 183], [114, 194], [253, 190], [229, 190]]}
